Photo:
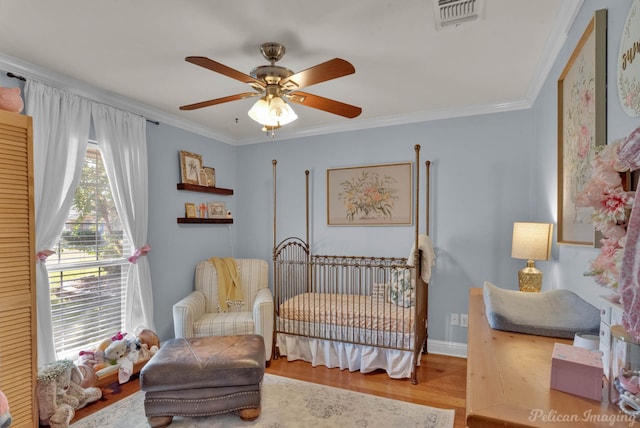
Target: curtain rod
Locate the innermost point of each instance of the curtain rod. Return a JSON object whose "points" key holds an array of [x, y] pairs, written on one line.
{"points": [[15, 76]]}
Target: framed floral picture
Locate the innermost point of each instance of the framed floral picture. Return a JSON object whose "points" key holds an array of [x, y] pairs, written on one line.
{"points": [[582, 126], [370, 195], [190, 167]]}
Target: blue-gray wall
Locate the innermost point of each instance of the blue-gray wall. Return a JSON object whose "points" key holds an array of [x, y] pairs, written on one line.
{"points": [[487, 172], [480, 186], [570, 262], [177, 248]]}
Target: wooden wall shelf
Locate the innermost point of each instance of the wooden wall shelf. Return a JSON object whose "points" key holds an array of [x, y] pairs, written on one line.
{"points": [[205, 189], [196, 220]]}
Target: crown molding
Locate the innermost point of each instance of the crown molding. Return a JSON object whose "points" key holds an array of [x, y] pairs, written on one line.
{"points": [[566, 16], [90, 92], [83, 89], [402, 119], [569, 9]]}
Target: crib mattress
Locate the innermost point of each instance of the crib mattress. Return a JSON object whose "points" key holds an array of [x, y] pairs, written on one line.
{"points": [[356, 311]]}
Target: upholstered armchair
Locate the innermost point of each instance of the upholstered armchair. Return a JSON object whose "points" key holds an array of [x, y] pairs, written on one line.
{"points": [[199, 313]]}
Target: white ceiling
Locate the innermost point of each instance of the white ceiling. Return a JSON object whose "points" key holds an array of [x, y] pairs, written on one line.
{"points": [[406, 69]]}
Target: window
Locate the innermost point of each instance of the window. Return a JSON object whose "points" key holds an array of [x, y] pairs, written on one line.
{"points": [[88, 273]]}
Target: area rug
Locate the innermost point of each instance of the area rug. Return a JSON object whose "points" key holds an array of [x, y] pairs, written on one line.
{"points": [[289, 403]]}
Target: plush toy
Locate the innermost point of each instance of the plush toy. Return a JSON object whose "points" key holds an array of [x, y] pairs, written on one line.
{"points": [[89, 376], [115, 351], [89, 362], [118, 353], [149, 338], [83, 395], [59, 393], [10, 100], [118, 336], [5, 416]]}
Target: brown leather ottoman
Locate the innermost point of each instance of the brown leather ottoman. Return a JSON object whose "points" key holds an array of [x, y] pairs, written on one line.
{"points": [[204, 376]]}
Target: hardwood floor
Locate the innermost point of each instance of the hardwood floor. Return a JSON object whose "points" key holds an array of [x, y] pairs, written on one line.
{"points": [[441, 383]]}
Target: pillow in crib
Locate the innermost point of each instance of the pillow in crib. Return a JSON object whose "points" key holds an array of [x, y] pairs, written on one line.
{"points": [[402, 289], [554, 313]]}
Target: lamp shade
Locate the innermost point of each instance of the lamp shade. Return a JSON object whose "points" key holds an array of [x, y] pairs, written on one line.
{"points": [[273, 112], [531, 241], [260, 111]]}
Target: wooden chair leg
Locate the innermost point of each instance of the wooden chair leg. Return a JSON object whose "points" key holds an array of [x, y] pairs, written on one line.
{"points": [[249, 414], [159, 421]]}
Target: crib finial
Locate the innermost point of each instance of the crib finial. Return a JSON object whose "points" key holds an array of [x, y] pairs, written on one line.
{"points": [[306, 176]]}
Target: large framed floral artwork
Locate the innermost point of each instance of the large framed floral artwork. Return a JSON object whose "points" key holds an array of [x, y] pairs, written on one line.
{"points": [[582, 125], [370, 195]]}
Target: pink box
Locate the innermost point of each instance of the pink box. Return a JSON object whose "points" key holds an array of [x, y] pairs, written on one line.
{"points": [[577, 371]]}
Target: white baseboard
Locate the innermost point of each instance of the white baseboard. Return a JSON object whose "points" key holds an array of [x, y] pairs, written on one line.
{"points": [[452, 349]]}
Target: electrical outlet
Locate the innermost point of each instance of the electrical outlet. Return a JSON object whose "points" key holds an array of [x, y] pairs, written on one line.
{"points": [[455, 319], [464, 320]]}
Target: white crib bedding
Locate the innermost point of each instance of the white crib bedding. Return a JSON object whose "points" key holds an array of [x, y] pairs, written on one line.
{"points": [[352, 311], [358, 333], [343, 355]]}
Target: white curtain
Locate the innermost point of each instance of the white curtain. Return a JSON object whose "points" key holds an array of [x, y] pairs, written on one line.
{"points": [[122, 140], [60, 137]]}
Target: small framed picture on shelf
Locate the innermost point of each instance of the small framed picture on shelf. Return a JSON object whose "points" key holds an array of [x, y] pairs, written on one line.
{"points": [[190, 210], [211, 176], [217, 210], [202, 178], [190, 166]]}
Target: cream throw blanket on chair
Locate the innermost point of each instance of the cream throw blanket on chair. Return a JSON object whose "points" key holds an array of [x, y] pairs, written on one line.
{"points": [[229, 289], [428, 259]]}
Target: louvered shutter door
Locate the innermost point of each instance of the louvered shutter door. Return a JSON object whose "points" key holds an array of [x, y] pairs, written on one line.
{"points": [[18, 359]]}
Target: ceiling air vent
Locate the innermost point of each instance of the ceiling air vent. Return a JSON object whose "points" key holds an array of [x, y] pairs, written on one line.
{"points": [[449, 12]]}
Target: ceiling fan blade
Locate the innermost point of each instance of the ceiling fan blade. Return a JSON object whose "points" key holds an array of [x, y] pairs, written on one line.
{"points": [[220, 100], [328, 70], [326, 104], [223, 69]]}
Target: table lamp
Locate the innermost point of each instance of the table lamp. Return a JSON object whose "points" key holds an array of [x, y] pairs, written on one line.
{"points": [[531, 241]]}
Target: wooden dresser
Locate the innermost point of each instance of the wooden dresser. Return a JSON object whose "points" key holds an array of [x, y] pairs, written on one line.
{"points": [[508, 378]]}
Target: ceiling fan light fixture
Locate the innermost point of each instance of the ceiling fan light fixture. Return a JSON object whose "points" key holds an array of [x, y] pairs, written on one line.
{"points": [[260, 111], [278, 87], [281, 112], [272, 113]]}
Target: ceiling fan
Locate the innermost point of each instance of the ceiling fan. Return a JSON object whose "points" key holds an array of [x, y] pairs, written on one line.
{"points": [[277, 86]]}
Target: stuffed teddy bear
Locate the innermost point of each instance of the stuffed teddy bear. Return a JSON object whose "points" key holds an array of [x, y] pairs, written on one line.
{"points": [[115, 351], [5, 416], [10, 100], [59, 393]]}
